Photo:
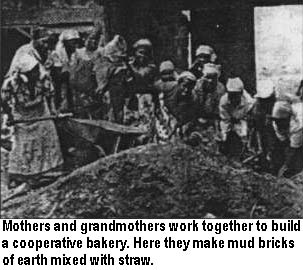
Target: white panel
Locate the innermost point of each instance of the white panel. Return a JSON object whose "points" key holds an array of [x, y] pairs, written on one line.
{"points": [[279, 45]]}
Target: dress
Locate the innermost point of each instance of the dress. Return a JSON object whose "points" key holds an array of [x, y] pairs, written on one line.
{"points": [[112, 88], [291, 141], [234, 118], [112, 75], [146, 99], [263, 126], [83, 82], [183, 110], [62, 64], [295, 133], [209, 101], [35, 147], [166, 122]]}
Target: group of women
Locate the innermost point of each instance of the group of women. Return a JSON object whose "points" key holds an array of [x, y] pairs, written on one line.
{"points": [[100, 81], [96, 81]]}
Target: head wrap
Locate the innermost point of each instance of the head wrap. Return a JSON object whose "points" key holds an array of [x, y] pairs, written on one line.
{"points": [[60, 56], [166, 65], [235, 85], [281, 110], [186, 75], [94, 35], [205, 49], [210, 68], [69, 34], [116, 48], [265, 89], [26, 63], [23, 50], [145, 43]]}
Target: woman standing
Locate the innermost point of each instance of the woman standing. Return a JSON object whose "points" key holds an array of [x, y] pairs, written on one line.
{"points": [[35, 149], [83, 79], [112, 76], [144, 103], [63, 58]]}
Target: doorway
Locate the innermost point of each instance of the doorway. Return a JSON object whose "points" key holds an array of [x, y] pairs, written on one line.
{"points": [[279, 46]]}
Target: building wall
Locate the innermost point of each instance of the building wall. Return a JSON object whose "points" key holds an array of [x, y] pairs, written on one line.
{"points": [[43, 19], [227, 28], [156, 20], [230, 30], [227, 25]]}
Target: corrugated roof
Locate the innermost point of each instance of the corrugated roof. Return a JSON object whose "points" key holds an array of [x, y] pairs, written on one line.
{"points": [[52, 16]]}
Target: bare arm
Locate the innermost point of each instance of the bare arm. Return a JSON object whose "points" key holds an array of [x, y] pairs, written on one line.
{"points": [[33, 103]]}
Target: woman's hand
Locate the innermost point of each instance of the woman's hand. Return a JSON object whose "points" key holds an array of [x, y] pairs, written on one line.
{"points": [[52, 106], [63, 106], [32, 103], [282, 171]]}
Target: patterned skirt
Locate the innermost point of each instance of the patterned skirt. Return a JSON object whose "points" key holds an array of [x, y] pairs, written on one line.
{"points": [[35, 148]]}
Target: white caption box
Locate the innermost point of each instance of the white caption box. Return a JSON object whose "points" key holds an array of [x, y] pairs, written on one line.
{"points": [[151, 244]]}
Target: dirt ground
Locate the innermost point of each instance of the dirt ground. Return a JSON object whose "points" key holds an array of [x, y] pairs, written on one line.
{"points": [[163, 181]]}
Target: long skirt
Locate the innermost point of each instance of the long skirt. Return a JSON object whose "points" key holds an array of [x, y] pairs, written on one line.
{"points": [[35, 150]]}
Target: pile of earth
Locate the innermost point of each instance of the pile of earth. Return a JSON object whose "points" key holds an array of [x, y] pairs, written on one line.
{"points": [[163, 181]]}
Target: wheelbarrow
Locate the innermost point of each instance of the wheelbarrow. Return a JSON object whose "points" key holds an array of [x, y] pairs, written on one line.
{"points": [[91, 139], [100, 133]]}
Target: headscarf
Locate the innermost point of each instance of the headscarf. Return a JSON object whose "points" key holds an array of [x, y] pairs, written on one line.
{"points": [[282, 110], [145, 43], [167, 71], [26, 63], [234, 85], [115, 49], [69, 34], [60, 56], [27, 49], [265, 89], [211, 68], [23, 63], [205, 49], [166, 66]]}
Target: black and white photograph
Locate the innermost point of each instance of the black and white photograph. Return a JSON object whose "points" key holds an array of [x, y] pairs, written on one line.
{"points": [[155, 109]]}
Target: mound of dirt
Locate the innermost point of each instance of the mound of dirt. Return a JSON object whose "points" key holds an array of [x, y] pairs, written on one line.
{"points": [[163, 181]]}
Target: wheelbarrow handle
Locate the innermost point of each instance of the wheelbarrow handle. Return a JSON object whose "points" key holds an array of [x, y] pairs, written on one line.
{"points": [[39, 119]]}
